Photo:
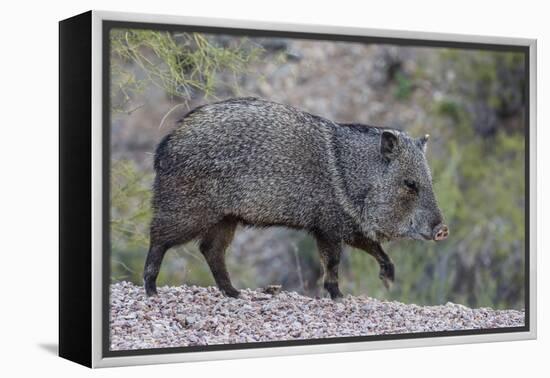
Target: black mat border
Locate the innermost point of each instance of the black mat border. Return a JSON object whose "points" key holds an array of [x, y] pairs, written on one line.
{"points": [[75, 189]]}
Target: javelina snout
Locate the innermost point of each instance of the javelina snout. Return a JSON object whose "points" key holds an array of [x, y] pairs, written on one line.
{"points": [[440, 232]]}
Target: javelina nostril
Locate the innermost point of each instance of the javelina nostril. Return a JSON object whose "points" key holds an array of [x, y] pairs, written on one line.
{"points": [[441, 232]]}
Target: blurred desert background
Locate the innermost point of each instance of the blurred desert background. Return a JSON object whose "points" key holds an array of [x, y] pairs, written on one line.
{"points": [[471, 102]]}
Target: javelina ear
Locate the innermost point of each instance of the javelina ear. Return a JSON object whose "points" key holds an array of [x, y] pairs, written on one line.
{"points": [[423, 142], [388, 144]]}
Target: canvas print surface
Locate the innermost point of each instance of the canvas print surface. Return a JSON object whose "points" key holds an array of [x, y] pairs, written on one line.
{"points": [[277, 189]]}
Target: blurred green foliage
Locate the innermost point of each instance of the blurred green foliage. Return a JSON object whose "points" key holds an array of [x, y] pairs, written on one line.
{"points": [[404, 86], [478, 180], [178, 63], [130, 216]]}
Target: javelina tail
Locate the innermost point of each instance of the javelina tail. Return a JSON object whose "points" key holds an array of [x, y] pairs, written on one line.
{"points": [[161, 152]]}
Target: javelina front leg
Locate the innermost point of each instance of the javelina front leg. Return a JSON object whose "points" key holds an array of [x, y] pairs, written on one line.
{"points": [[213, 246], [330, 251], [373, 248]]}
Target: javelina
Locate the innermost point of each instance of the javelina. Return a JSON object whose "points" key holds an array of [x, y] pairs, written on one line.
{"points": [[259, 163]]}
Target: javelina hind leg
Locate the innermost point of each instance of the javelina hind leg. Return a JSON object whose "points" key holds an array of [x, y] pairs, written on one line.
{"points": [[213, 246], [373, 248], [163, 236], [152, 267], [330, 251]]}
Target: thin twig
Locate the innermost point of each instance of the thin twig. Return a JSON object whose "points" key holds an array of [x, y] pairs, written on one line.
{"points": [[124, 265], [167, 114], [298, 266], [129, 112]]}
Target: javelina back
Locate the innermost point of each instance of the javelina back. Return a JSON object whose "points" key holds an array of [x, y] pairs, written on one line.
{"points": [[259, 163]]}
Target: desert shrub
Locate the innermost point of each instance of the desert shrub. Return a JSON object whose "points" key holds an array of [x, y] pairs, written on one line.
{"points": [[181, 64], [130, 217]]}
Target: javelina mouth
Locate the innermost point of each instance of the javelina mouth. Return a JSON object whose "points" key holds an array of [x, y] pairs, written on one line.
{"points": [[426, 237], [415, 235]]}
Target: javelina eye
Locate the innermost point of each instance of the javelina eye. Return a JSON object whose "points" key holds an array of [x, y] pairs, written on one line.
{"points": [[411, 185]]}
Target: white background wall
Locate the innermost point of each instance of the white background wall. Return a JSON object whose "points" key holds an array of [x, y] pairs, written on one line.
{"points": [[28, 186]]}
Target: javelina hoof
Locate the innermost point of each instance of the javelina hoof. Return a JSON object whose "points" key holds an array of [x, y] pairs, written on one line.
{"points": [[387, 274], [333, 290], [337, 297], [150, 289], [230, 292], [272, 289]]}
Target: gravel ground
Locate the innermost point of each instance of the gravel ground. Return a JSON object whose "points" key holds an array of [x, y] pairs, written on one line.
{"points": [[192, 315]]}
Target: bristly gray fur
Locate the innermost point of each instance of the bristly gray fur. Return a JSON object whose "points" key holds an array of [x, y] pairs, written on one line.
{"points": [[261, 163]]}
